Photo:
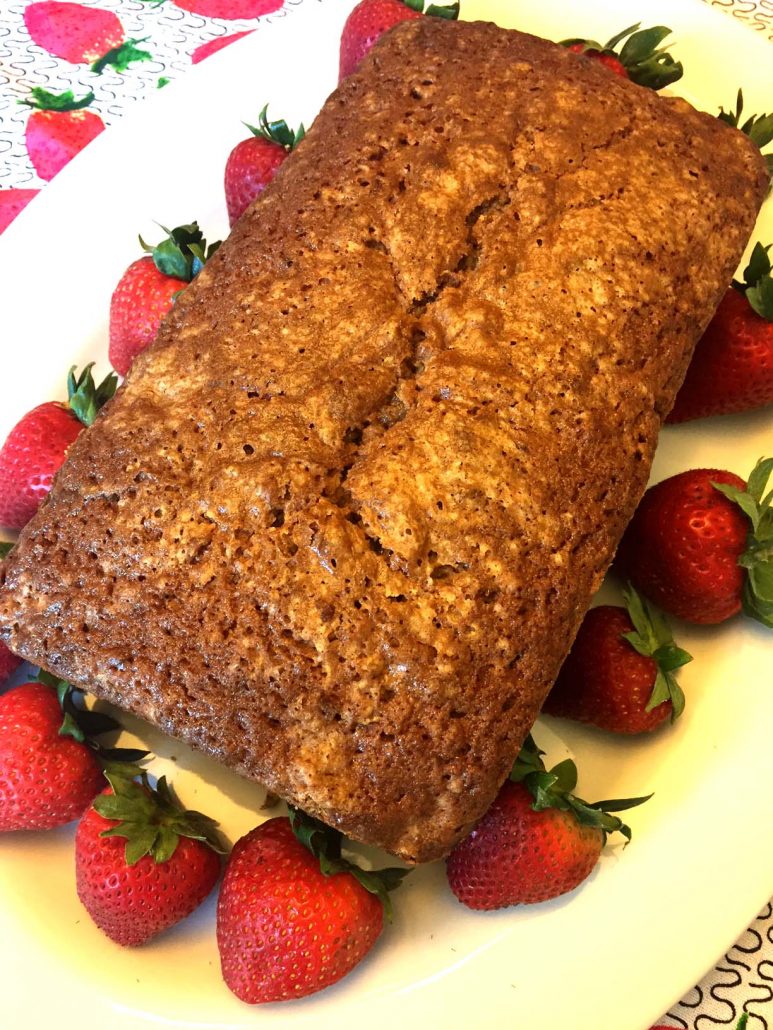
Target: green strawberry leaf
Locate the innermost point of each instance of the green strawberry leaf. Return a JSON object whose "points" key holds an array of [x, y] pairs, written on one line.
{"points": [[450, 11], [5, 547], [42, 100], [756, 502], [652, 638], [758, 127], [554, 789], [759, 265], [84, 397], [586, 44], [325, 844], [183, 253], [760, 298], [277, 131], [415, 5], [120, 57], [642, 45], [151, 820], [612, 43]]}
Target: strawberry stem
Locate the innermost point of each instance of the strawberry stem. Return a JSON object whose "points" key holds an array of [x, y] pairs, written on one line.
{"points": [[277, 131], [325, 844], [84, 397], [42, 100], [758, 127], [183, 253], [554, 789], [151, 820], [644, 63], [652, 637], [757, 558], [120, 57]]}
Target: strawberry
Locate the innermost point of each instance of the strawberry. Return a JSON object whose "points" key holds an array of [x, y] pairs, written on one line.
{"points": [[58, 129], [537, 841], [47, 777], [619, 674], [294, 917], [147, 289], [11, 203], [231, 10], [37, 445], [168, 863], [82, 35], [370, 19], [213, 45], [639, 58], [700, 545], [758, 127], [253, 163], [732, 367]]}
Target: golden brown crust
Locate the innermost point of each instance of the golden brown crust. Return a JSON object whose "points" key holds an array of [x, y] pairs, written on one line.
{"points": [[340, 526]]}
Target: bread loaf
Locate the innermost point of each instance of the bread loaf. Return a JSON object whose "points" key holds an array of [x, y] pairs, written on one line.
{"points": [[340, 525]]}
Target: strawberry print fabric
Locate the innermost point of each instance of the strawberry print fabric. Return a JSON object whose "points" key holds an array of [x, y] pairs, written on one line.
{"points": [[70, 70]]}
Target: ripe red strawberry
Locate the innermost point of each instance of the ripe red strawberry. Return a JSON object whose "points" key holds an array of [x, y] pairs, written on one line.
{"points": [[537, 841], [37, 445], [11, 203], [732, 367], [82, 35], [137, 887], [47, 778], [213, 45], [619, 674], [253, 163], [146, 291], [638, 59], [294, 917], [58, 129], [231, 9], [700, 545], [370, 19], [9, 663]]}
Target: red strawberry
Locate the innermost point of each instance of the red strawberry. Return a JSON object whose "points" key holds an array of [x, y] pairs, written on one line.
{"points": [[638, 59], [253, 163], [46, 778], [619, 674], [146, 291], [58, 129], [37, 445], [699, 545], [11, 203], [9, 663], [81, 35], [168, 863], [732, 367], [537, 841], [370, 19], [289, 921], [213, 45], [231, 9]]}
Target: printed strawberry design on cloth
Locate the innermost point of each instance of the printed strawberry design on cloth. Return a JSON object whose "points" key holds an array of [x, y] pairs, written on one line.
{"points": [[146, 291], [12, 202], [82, 35], [254, 162], [639, 58], [58, 129], [49, 755], [620, 672], [732, 368], [142, 862], [370, 19], [293, 915], [230, 10], [213, 45], [537, 841], [36, 446], [700, 545]]}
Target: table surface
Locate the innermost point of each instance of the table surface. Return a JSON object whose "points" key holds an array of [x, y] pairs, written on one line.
{"points": [[742, 980]]}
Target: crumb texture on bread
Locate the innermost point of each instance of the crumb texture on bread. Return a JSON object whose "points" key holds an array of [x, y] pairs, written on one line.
{"points": [[341, 524]]}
